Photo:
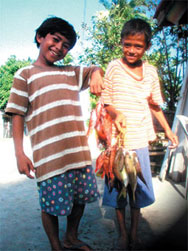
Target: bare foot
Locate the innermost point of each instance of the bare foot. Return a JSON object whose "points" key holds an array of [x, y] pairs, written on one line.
{"points": [[135, 244], [76, 245], [121, 244], [56, 247]]}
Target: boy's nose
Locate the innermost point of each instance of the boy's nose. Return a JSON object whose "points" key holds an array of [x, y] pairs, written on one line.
{"points": [[132, 49], [59, 46]]}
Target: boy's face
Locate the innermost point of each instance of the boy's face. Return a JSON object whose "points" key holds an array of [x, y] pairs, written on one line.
{"points": [[53, 47], [134, 47]]}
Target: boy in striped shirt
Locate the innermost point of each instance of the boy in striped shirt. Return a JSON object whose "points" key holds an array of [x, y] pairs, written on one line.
{"points": [[131, 94], [46, 96]]}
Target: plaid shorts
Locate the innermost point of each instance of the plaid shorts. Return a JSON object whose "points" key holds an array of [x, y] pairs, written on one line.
{"points": [[57, 194], [144, 194]]}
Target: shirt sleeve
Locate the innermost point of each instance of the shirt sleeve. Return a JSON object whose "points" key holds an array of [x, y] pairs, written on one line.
{"points": [[155, 96], [18, 99], [83, 75], [106, 94]]}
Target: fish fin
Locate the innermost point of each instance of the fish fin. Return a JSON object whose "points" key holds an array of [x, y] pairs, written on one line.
{"points": [[123, 193], [99, 174], [110, 187], [138, 168], [140, 175], [133, 188]]}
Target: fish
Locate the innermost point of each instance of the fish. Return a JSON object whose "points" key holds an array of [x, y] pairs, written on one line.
{"points": [[106, 163], [138, 167], [112, 150], [125, 183], [120, 172], [102, 163], [131, 171], [118, 164], [99, 170], [102, 122]]}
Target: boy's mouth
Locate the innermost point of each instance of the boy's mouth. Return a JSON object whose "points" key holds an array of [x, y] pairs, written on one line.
{"points": [[55, 53], [131, 57]]}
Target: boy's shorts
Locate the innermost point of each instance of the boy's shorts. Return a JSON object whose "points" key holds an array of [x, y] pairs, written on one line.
{"points": [[57, 194], [144, 194]]}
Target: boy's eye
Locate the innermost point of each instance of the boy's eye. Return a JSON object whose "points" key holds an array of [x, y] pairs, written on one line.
{"points": [[139, 46], [126, 45], [55, 39], [66, 46]]}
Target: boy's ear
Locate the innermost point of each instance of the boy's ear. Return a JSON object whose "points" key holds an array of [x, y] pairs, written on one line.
{"points": [[38, 38], [149, 46]]}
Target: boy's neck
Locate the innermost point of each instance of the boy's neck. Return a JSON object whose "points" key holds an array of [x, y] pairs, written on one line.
{"points": [[36, 63], [136, 67], [133, 65]]}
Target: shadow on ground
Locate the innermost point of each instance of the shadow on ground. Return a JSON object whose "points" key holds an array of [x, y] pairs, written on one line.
{"points": [[21, 228]]}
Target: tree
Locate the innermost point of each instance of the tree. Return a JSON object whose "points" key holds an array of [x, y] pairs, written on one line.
{"points": [[7, 72], [170, 58]]}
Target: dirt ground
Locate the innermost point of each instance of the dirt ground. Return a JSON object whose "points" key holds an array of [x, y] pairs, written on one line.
{"points": [[163, 225]]}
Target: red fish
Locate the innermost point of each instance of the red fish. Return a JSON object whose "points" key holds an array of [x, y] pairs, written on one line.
{"points": [[101, 121]]}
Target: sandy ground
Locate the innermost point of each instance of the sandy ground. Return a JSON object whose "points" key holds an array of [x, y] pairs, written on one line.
{"points": [[163, 225]]}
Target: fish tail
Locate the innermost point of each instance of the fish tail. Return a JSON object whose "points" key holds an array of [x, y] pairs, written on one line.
{"points": [[134, 196], [140, 175]]}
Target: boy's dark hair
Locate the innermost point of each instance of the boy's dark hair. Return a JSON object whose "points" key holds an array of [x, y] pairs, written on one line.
{"points": [[56, 24], [135, 26]]}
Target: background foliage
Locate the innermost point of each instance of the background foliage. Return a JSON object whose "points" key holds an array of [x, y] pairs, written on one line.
{"points": [[6, 77]]}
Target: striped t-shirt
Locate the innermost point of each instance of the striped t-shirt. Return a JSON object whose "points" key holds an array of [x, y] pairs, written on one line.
{"points": [[131, 95], [48, 98]]}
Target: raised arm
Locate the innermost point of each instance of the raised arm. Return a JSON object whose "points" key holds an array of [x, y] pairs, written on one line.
{"points": [[24, 164], [96, 82], [159, 115]]}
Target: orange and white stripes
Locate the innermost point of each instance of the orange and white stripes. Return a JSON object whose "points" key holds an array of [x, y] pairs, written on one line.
{"points": [[131, 95]]}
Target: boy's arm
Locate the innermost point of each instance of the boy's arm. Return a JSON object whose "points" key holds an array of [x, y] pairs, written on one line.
{"points": [[23, 162], [118, 117], [158, 113], [96, 82]]}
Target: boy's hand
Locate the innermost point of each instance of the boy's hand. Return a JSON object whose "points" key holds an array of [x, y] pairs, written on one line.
{"points": [[158, 113], [118, 117], [25, 165], [120, 122], [96, 82], [173, 138]]}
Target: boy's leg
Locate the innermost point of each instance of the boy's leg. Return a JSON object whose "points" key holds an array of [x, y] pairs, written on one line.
{"points": [[123, 236], [73, 221], [135, 216], [51, 227]]}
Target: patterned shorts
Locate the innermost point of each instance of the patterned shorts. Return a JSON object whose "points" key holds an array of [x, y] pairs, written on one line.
{"points": [[57, 194]]}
